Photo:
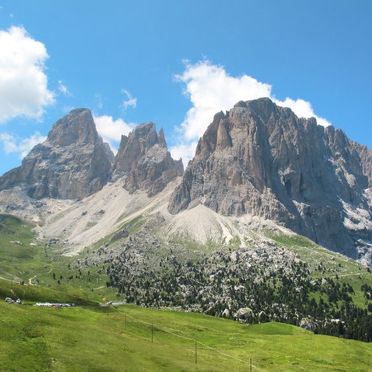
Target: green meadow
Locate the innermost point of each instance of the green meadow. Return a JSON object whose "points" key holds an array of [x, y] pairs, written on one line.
{"points": [[90, 337], [130, 338]]}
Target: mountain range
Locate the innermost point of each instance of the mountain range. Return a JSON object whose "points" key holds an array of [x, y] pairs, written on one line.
{"points": [[256, 162]]}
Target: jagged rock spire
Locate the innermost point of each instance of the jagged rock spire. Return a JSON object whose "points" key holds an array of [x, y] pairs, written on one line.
{"points": [[72, 163], [263, 160], [144, 162]]}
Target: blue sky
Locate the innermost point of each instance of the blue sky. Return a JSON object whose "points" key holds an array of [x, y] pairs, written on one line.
{"points": [[176, 62]]}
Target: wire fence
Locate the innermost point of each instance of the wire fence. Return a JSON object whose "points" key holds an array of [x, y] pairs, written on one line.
{"points": [[194, 350]]}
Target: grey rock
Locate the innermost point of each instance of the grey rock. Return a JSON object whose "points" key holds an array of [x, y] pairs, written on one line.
{"points": [[72, 163], [226, 313], [244, 313], [144, 161], [119, 235], [262, 159], [366, 160], [308, 324]]}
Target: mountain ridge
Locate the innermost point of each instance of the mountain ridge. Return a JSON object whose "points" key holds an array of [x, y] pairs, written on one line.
{"points": [[262, 159], [258, 159], [72, 163], [144, 160]]}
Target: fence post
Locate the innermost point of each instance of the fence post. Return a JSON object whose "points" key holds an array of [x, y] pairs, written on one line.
{"points": [[250, 364], [196, 352], [152, 333], [125, 321]]}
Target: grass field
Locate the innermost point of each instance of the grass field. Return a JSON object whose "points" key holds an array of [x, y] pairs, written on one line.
{"points": [[129, 338], [23, 259], [120, 339]]}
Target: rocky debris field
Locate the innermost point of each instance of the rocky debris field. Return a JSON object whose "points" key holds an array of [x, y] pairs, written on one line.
{"points": [[252, 284]]}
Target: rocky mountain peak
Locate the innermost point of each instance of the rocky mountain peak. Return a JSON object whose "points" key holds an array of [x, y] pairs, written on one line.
{"points": [[261, 159], [223, 138], [144, 161], [76, 127], [162, 141], [72, 163]]}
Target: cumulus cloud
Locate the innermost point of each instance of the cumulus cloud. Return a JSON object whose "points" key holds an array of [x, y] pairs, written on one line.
{"points": [[211, 89], [9, 143], [184, 150], [302, 109], [111, 130], [23, 81], [22, 147], [129, 100]]}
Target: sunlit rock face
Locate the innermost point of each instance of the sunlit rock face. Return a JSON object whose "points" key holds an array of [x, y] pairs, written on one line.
{"points": [[144, 161], [262, 159], [72, 163]]}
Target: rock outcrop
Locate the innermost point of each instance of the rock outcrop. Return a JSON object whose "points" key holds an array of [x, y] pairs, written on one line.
{"points": [[366, 160], [72, 163], [144, 161], [262, 159]]}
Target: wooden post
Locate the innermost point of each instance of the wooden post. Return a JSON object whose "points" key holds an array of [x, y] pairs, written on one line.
{"points": [[125, 321], [250, 364], [152, 333], [196, 352]]}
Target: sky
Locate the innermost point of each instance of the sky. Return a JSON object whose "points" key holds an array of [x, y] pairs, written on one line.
{"points": [[177, 63]]}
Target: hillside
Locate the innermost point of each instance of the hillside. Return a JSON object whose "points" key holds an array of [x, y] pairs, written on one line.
{"points": [[133, 338], [185, 186], [257, 162], [225, 238], [289, 279]]}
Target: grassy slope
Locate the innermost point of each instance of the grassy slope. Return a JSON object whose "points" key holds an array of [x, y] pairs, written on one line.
{"points": [[28, 262], [92, 338], [31, 263], [334, 265], [82, 339]]}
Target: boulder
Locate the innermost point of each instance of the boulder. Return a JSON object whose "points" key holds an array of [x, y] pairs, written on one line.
{"points": [[244, 313]]}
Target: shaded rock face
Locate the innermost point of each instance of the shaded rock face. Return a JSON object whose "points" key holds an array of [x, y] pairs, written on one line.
{"points": [[366, 160], [72, 163], [263, 160], [144, 161]]}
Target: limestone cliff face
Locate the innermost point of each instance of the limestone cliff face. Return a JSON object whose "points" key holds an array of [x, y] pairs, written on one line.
{"points": [[72, 163], [261, 159], [144, 161], [366, 160]]}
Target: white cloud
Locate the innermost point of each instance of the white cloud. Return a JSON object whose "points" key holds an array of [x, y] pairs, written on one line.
{"points": [[9, 143], [23, 82], [62, 88], [302, 109], [185, 150], [111, 130], [27, 144], [211, 89], [13, 145], [129, 100]]}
